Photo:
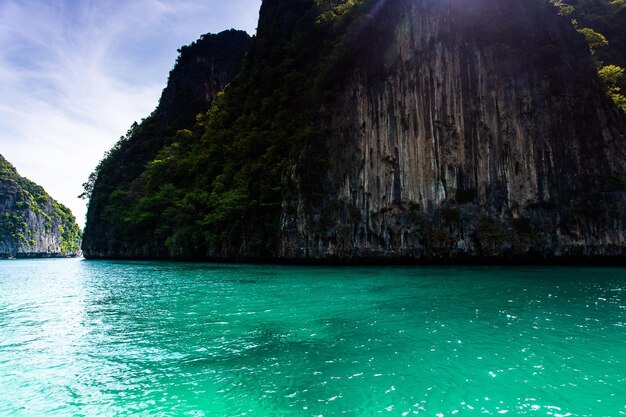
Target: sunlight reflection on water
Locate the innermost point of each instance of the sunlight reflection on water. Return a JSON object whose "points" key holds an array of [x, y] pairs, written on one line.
{"points": [[116, 338]]}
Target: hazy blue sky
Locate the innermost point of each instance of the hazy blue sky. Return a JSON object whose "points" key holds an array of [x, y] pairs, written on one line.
{"points": [[75, 74]]}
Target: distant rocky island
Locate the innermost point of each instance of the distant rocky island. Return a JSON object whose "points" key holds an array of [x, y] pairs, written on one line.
{"points": [[358, 131], [32, 224]]}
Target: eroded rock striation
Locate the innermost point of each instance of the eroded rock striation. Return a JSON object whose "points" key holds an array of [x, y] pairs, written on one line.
{"points": [[426, 130], [481, 132], [32, 224]]}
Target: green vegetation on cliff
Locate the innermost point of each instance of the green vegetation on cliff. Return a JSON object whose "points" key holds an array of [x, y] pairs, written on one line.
{"points": [[602, 24], [201, 72], [216, 184], [220, 187], [220, 182], [31, 222]]}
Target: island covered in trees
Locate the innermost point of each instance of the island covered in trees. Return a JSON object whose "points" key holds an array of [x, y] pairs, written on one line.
{"points": [[361, 130], [32, 224]]}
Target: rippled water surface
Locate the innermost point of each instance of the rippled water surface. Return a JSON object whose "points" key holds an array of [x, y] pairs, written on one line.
{"points": [[112, 338]]}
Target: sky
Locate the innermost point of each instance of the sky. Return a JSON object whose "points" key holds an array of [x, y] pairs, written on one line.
{"points": [[75, 74]]}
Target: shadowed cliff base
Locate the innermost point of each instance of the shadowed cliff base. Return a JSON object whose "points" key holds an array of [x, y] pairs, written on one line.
{"points": [[387, 260]]}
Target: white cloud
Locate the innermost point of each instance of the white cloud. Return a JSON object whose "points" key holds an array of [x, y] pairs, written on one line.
{"points": [[75, 75]]}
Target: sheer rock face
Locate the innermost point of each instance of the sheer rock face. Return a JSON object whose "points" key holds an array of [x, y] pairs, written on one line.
{"points": [[479, 133], [31, 223]]}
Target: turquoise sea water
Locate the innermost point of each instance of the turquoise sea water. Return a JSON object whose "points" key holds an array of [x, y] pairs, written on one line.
{"points": [[113, 338]]}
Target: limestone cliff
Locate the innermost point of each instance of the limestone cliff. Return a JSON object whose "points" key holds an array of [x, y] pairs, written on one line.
{"points": [[383, 130], [480, 132], [32, 224]]}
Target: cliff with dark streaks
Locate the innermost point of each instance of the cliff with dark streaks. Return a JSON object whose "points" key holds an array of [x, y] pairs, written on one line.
{"points": [[482, 134], [32, 224], [389, 130]]}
